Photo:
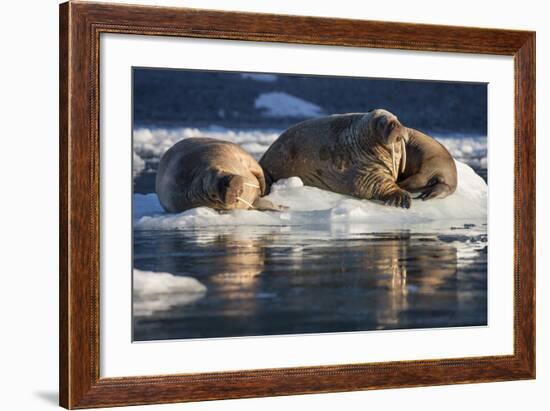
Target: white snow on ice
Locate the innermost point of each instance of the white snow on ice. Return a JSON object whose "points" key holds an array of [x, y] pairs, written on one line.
{"points": [[151, 143], [280, 104], [138, 165], [156, 291], [310, 205], [472, 149]]}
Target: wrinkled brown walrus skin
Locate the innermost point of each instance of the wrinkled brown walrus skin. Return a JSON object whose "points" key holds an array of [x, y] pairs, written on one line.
{"points": [[358, 154]]}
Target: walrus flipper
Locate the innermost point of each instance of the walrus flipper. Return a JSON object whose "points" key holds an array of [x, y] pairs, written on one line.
{"points": [[372, 185], [397, 198], [435, 188], [263, 204], [439, 190]]}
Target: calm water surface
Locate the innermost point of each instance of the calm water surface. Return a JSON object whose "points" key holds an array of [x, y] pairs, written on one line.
{"points": [[289, 280]]}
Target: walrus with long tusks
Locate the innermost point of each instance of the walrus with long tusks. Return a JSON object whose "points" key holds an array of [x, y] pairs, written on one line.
{"points": [[358, 154], [430, 169], [199, 172]]}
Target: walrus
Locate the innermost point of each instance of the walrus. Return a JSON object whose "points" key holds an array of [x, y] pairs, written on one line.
{"points": [[357, 154], [198, 172], [430, 169]]}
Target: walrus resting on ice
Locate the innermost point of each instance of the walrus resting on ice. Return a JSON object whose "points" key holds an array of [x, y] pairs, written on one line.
{"points": [[207, 172], [355, 154], [430, 169]]}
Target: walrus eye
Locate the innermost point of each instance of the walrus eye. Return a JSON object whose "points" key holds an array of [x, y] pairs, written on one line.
{"points": [[389, 131], [380, 124]]}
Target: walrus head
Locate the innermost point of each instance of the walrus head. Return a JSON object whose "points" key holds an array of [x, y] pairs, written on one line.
{"points": [[233, 191], [388, 130]]}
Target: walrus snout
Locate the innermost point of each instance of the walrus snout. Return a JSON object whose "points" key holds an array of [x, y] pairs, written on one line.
{"points": [[230, 188], [396, 133], [395, 136]]}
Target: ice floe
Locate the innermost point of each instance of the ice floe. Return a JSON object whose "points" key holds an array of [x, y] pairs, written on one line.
{"points": [[310, 206], [157, 291], [280, 104]]}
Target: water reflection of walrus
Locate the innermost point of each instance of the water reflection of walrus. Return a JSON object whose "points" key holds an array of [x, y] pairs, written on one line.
{"points": [[240, 264], [353, 154], [412, 272], [399, 260], [207, 172], [430, 168]]}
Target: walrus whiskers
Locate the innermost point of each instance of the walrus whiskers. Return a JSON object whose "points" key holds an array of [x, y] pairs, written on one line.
{"points": [[403, 156], [246, 202], [251, 185]]}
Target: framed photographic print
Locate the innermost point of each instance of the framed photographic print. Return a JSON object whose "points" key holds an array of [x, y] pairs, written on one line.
{"points": [[257, 205]]}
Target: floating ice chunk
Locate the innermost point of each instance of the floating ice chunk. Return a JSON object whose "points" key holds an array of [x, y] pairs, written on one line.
{"points": [[151, 143], [155, 291], [138, 165], [204, 216], [279, 104], [467, 149]]}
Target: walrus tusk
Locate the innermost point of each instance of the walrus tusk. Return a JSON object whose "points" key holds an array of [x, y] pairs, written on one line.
{"points": [[246, 202], [393, 164], [251, 185], [403, 155]]}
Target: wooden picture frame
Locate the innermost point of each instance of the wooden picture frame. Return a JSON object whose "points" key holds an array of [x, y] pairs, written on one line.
{"points": [[80, 27]]}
